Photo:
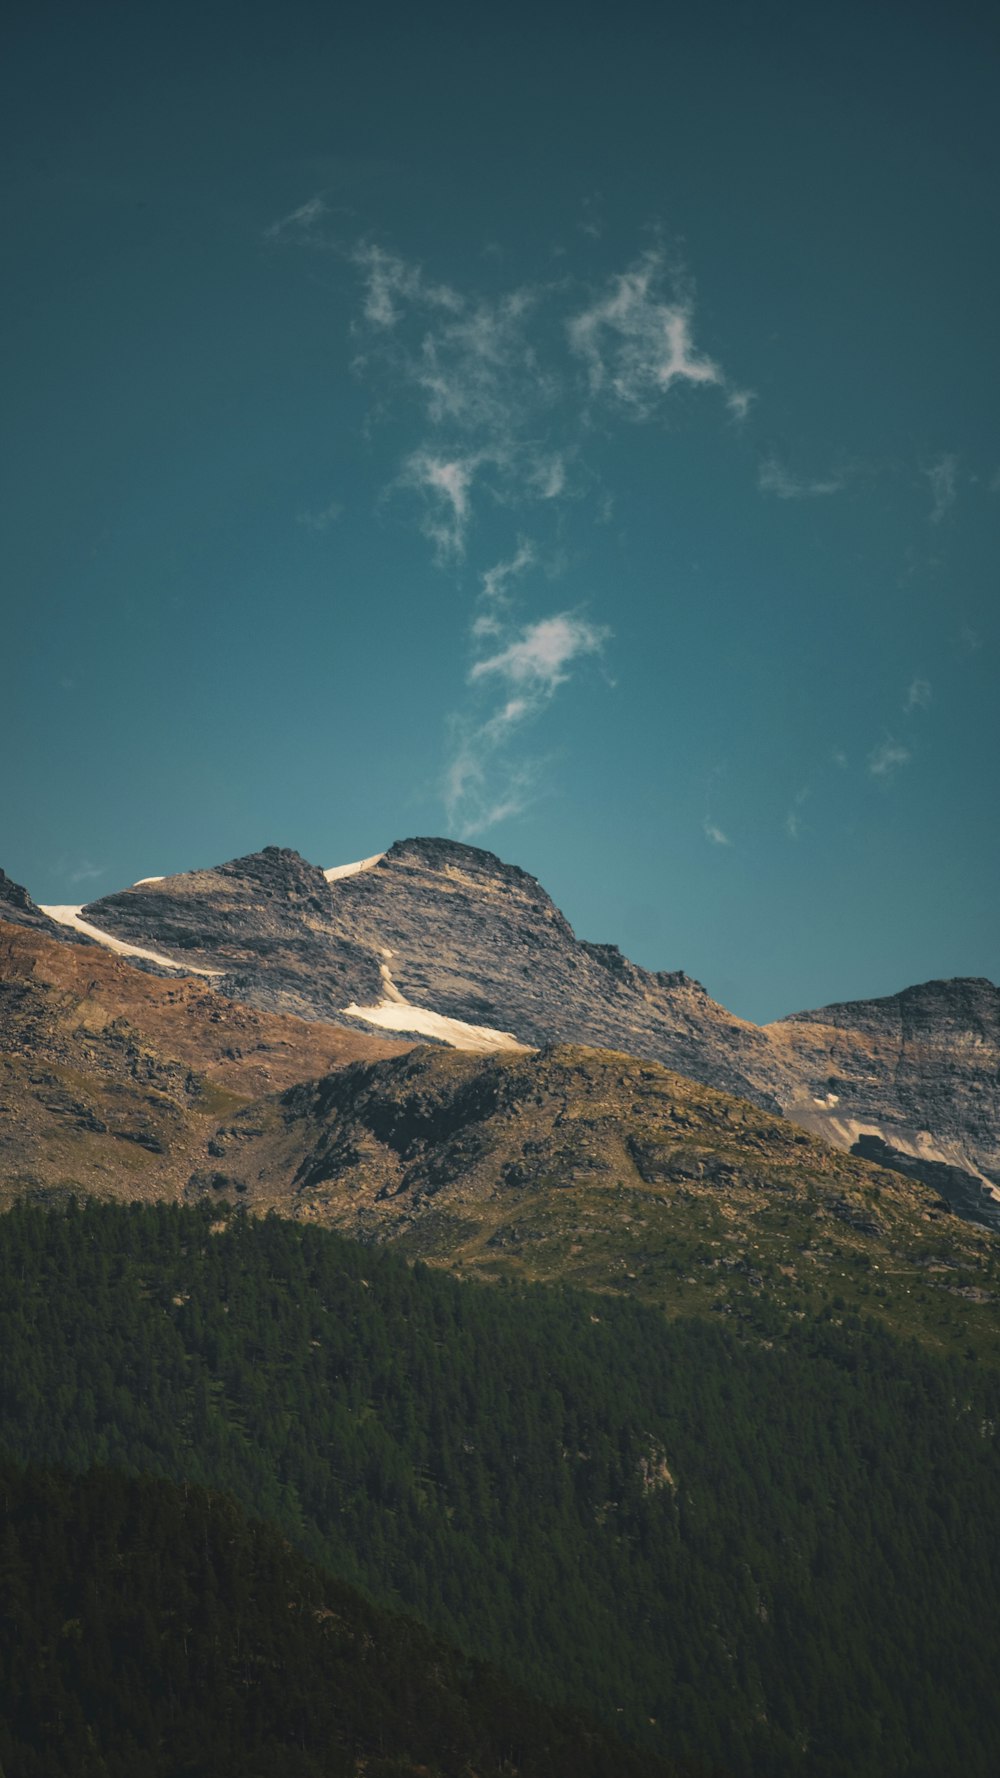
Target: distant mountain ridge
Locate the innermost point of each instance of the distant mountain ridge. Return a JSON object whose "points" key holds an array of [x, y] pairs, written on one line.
{"points": [[436, 938]]}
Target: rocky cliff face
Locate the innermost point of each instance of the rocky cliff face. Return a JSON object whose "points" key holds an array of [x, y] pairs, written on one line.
{"points": [[266, 921], [921, 1069], [18, 909]]}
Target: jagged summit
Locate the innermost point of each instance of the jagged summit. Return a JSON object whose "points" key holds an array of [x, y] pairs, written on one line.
{"points": [[454, 857], [471, 943]]}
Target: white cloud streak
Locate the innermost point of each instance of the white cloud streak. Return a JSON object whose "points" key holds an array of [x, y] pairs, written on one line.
{"points": [[918, 695], [444, 485], [715, 834], [300, 223], [493, 385], [793, 820], [484, 784], [943, 479], [84, 872], [885, 760], [494, 599], [636, 344], [390, 282], [322, 519], [774, 478], [538, 660]]}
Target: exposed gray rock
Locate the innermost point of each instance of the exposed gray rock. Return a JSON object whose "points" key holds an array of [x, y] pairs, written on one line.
{"points": [[18, 909], [920, 1068], [267, 921]]}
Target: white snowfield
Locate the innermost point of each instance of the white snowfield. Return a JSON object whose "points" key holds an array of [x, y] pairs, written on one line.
{"points": [[352, 870], [70, 916], [393, 1013]]}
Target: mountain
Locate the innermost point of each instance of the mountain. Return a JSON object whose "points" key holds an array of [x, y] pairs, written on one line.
{"points": [[446, 941], [436, 926], [112, 1079], [564, 1162]]}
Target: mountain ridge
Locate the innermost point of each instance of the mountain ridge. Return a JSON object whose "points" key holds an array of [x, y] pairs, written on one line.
{"points": [[455, 932]]}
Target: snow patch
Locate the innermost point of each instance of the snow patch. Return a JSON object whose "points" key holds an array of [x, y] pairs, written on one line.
{"points": [[398, 1015], [394, 1013], [140, 880], [352, 870], [70, 916]]}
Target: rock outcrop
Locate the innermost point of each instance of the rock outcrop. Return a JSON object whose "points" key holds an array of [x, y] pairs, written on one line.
{"points": [[267, 921], [18, 909], [920, 1069]]}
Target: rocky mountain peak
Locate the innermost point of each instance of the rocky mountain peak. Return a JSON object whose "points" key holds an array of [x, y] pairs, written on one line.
{"points": [[278, 871], [973, 1001], [18, 909], [13, 895], [472, 864]]}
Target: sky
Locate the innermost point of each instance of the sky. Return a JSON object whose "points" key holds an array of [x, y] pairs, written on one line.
{"points": [[573, 431]]}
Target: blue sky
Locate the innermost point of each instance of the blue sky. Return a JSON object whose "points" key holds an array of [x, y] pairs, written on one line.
{"points": [[575, 433]]}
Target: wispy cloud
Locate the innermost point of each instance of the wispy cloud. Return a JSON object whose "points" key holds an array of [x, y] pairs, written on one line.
{"points": [[299, 224], [886, 759], [918, 695], [85, 872], [484, 783], [498, 391], [539, 659], [715, 834], [637, 342], [494, 598], [390, 282], [943, 479], [774, 478], [444, 485], [793, 820], [322, 519]]}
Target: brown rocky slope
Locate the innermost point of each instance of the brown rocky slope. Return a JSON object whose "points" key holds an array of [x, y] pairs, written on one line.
{"points": [[112, 1079]]}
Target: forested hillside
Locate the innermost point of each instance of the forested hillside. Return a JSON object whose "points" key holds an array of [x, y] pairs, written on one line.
{"points": [[148, 1629], [778, 1553]]}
